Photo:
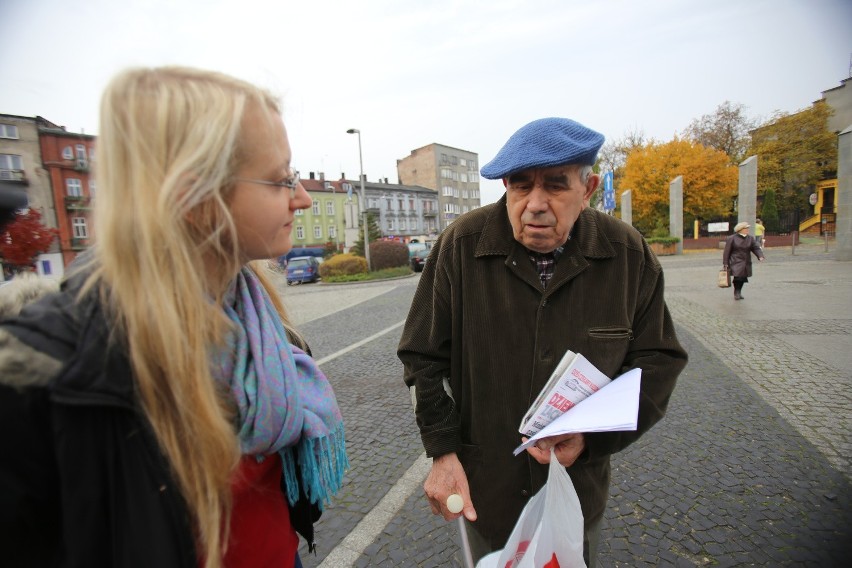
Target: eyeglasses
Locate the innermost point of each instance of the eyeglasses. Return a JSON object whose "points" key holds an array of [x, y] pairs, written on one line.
{"points": [[292, 183]]}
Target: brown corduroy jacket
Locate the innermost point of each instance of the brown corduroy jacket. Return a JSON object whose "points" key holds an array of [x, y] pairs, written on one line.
{"points": [[483, 336]]}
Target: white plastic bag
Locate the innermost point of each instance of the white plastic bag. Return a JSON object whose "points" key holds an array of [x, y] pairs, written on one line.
{"points": [[549, 532]]}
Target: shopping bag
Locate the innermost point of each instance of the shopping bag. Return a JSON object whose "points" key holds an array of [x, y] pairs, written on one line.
{"points": [[724, 278], [549, 532]]}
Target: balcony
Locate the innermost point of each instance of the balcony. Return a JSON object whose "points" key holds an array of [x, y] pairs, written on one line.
{"points": [[430, 213], [78, 244], [81, 165], [76, 202], [14, 176]]}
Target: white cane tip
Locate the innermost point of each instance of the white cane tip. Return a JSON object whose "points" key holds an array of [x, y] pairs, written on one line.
{"points": [[455, 503]]}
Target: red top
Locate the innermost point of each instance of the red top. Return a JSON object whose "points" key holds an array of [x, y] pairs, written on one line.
{"points": [[261, 534]]}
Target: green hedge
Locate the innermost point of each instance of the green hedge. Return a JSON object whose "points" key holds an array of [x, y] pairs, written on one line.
{"points": [[663, 240]]}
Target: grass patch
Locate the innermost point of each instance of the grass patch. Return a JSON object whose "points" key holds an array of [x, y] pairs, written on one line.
{"points": [[367, 276]]}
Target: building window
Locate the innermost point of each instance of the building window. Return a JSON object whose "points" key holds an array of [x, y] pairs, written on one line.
{"points": [[455, 160], [456, 193], [11, 167], [448, 207], [448, 190], [81, 152], [444, 159], [317, 232], [403, 226], [300, 212], [9, 131], [73, 187], [316, 207], [473, 176], [465, 209], [300, 232], [92, 188], [390, 224], [79, 228], [67, 153], [329, 207], [462, 162], [332, 232]]}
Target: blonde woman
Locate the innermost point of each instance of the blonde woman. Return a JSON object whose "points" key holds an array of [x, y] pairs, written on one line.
{"points": [[160, 410]]}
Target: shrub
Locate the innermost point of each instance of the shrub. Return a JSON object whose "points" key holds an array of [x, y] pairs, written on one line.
{"points": [[388, 254], [663, 240], [342, 265]]}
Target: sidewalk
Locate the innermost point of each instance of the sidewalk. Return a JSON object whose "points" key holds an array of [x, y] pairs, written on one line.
{"points": [[751, 465]]}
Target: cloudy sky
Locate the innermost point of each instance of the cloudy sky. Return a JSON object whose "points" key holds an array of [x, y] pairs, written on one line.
{"points": [[464, 73]]}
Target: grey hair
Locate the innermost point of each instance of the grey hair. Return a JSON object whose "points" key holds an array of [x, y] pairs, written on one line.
{"points": [[584, 172]]}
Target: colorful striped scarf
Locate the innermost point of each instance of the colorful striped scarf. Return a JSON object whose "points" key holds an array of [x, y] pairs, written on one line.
{"points": [[285, 402]]}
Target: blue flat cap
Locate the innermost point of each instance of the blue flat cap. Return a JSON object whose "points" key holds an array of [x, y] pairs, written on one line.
{"points": [[545, 143]]}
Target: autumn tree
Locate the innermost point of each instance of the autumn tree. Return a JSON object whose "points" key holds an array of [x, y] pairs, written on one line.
{"points": [[726, 130], [794, 152], [709, 182], [24, 239]]}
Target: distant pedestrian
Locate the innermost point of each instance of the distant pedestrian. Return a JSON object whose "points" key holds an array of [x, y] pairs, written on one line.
{"points": [[759, 231], [160, 410], [737, 256]]}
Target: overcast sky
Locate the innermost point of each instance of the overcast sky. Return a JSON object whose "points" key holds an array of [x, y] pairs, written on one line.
{"points": [[464, 73]]}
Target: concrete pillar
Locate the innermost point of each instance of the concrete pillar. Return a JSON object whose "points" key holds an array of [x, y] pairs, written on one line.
{"points": [[747, 200], [676, 211], [627, 207], [843, 224]]}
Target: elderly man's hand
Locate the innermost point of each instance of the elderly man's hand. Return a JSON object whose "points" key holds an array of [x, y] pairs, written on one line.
{"points": [[567, 447], [447, 477]]}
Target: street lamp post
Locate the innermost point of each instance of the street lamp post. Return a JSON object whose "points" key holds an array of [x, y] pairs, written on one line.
{"points": [[363, 200]]}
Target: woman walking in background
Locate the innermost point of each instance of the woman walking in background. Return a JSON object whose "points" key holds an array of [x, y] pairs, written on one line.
{"points": [[160, 410], [737, 256]]}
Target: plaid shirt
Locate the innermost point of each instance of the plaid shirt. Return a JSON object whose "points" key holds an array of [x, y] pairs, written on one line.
{"points": [[545, 262]]}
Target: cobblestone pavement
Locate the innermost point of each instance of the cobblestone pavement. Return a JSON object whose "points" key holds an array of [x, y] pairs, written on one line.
{"points": [[749, 468]]}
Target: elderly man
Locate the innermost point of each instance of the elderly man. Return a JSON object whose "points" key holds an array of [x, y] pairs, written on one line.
{"points": [[507, 289]]}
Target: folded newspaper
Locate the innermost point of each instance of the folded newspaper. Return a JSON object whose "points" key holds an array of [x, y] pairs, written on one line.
{"points": [[574, 379], [580, 398]]}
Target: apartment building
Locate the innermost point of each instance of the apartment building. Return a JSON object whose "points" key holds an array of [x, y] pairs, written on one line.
{"points": [[21, 164], [67, 159], [403, 212], [332, 218], [451, 172]]}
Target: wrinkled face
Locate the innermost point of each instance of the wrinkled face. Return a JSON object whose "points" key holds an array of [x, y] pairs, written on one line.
{"points": [[543, 204], [263, 213]]}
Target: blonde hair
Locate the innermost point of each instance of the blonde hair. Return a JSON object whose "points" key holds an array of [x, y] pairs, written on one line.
{"points": [[168, 149]]}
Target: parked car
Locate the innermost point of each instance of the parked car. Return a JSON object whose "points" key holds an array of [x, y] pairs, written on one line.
{"points": [[417, 254], [302, 269]]}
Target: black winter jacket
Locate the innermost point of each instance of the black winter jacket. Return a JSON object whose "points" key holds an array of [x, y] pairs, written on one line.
{"points": [[83, 480]]}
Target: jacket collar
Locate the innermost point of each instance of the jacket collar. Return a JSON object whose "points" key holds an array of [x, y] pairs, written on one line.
{"points": [[588, 239]]}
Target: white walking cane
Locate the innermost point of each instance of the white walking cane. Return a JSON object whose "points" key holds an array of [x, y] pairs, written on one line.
{"points": [[468, 557], [455, 504]]}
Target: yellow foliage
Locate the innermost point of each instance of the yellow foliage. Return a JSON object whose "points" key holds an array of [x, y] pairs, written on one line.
{"points": [[709, 182]]}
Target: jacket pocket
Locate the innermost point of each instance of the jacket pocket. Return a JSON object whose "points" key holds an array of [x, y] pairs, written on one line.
{"points": [[612, 333], [608, 347]]}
